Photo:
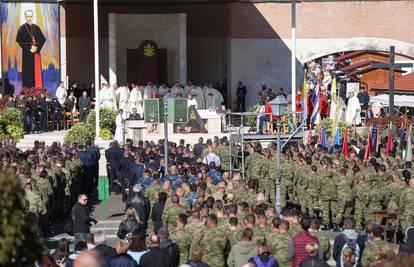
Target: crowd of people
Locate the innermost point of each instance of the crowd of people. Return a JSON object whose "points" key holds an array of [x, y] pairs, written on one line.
{"points": [[194, 212]]}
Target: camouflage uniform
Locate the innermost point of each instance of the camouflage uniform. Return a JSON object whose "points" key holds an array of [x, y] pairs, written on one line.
{"points": [[328, 197], [35, 206], [170, 215], [269, 173], [370, 254], [183, 239], [374, 204], [324, 242], [361, 202], [286, 184], [407, 207], [312, 193], [393, 195], [345, 197], [224, 155], [213, 241], [279, 244]]}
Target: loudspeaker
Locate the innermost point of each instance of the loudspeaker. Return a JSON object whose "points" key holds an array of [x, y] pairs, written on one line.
{"points": [[154, 110], [177, 110]]}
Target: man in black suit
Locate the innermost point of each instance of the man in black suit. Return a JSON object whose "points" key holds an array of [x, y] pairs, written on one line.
{"points": [[156, 257], [56, 113], [106, 252], [134, 116], [113, 157], [42, 110], [96, 155], [198, 148], [157, 210], [86, 159]]}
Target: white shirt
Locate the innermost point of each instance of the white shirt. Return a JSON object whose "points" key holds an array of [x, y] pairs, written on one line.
{"points": [[210, 158], [61, 94]]}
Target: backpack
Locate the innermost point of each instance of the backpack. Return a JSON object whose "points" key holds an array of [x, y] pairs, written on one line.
{"points": [[259, 263], [350, 243]]}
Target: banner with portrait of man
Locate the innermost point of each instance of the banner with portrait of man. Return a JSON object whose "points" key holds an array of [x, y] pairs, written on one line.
{"points": [[30, 45]]}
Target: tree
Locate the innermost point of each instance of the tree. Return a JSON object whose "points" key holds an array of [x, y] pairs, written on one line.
{"points": [[19, 237]]}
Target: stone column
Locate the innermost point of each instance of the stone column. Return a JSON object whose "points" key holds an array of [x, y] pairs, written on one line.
{"points": [[63, 59], [112, 48], [183, 47]]}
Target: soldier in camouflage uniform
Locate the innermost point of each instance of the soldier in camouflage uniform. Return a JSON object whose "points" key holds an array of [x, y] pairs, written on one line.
{"points": [[313, 188], [182, 237], [375, 196], [170, 215], [213, 241], [328, 198], [345, 195], [378, 250], [323, 239], [407, 205], [36, 207], [279, 243], [361, 201]]}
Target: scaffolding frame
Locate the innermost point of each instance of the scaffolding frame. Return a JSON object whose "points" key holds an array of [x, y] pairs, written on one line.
{"points": [[238, 138]]}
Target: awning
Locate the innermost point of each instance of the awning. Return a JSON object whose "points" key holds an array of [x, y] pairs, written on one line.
{"points": [[399, 100]]}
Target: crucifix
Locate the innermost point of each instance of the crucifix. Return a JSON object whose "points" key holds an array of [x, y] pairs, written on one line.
{"points": [[391, 66]]}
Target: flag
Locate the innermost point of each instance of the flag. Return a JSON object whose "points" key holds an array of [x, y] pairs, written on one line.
{"points": [[374, 139], [315, 101], [309, 137], [304, 95], [409, 150], [333, 88], [323, 137], [304, 86], [320, 136], [390, 144], [345, 150], [337, 141], [368, 148]]}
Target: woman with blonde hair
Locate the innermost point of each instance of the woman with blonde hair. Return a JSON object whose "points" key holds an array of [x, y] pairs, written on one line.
{"points": [[312, 249], [131, 224], [123, 259]]}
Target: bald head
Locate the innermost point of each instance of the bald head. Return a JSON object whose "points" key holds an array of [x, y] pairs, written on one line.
{"points": [[154, 241]]}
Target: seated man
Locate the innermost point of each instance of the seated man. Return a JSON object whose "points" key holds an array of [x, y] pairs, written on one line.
{"points": [[266, 117], [134, 115]]}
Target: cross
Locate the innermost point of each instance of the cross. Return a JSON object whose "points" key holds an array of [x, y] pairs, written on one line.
{"points": [[391, 66]]}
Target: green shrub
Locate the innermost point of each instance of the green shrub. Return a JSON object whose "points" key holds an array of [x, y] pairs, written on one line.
{"points": [[19, 238], [11, 116], [15, 132], [106, 134], [106, 119], [80, 133]]}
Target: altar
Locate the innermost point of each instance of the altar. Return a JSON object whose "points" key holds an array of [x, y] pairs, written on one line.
{"points": [[139, 130]]}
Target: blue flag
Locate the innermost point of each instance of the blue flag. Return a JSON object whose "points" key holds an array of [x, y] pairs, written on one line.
{"points": [[323, 144], [337, 141]]}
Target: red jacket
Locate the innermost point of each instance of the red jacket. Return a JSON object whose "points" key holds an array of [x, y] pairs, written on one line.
{"points": [[268, 109], [299, 243]]}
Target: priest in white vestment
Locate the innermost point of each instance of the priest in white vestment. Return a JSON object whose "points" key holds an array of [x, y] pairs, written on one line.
{"points": [[177, 90], [61, 93], [191, 101], [188, 87], [108, 96], [150, 91], [198, 94], [135, 100], [119, 131], [213, 97], [123, 96], [353, 110]]}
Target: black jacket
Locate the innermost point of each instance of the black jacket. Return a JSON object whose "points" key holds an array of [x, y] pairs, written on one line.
{"points": [[123, 260], [141, 204], [340, 242], [172, 249], [129, 226], [156, 257], [156, 215], [80, 218], [313, 261], [107, 253]]}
